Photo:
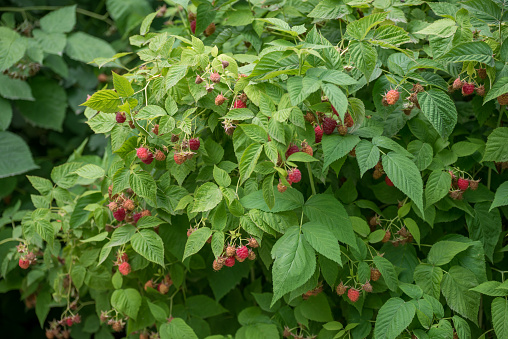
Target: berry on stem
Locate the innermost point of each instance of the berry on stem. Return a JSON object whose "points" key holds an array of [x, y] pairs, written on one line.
{"points": [[292, 150], [392, 96], [24, 263], [119, 214], [242, 252], [329, 125], [239, 104], [294, 175], [142, 153], [230, 262], [388, 181], [353, 295], [124, 268], [194, 144], [120, 117], [467, 89], [463, 184], [319, 134]]}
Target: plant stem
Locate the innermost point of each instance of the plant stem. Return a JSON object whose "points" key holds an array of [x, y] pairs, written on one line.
{"points": [[311, 177], [11, 239]]}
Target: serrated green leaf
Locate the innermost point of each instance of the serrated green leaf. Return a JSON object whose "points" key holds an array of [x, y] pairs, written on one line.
{"points": [[497, 145], [440, 110], [106, 100], [393, 317], [336, 146], [206, 197], [122, 86], [367, 156], [387, 272], [499, 309], [268, 191], [444, 251], [322, 240], [438, 186], [501, 197], [249, 160], [149, 245], [143, 184], [127, 301], [91, 171], [196, 241], [456, 287]]}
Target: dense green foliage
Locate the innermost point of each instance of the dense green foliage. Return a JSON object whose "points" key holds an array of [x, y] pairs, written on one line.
{"points": [[217, 209]]}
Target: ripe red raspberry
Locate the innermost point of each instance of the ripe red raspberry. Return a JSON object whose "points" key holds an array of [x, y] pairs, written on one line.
{"points": [[353, 294], [193, 26], [329, 125], [281, 188], [160, 156], [342, 129], [230, 262], [119, 214], [215, 77], [457, 84], [341, 288], [220, 99], [463, 184], [295, 175], [242, 252], [388, 181], [319, 134], [120, 117], [348, 120], [69, 321], [480, 90], [239, 104], [194, 144], [392, 96], [307, 149], [335, 111], [467, 89], [148, 159], [136, 217], [24, 263], [503, 99], [142, 153], [292, 150], [375, 274], [179, 158], [124, 268]]}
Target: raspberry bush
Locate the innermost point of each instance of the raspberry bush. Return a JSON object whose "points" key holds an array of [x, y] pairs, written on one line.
{"points": [[328, 169]]}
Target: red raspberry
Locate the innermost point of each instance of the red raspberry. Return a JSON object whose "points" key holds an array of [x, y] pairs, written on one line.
{"points": [[329, 125], [457, 84], [124, 268], [148, 159], [239, 104], [292, 150], [179, 158], [123, 258], [319, 134], [392, 96], [242, 252], [136, 217], [69, 321], [281, 188], [295, 175], [193, 26], [467, 89], [194, 144], [215, 77], [230, 262], [160, 156], [24, 263], [142, 153], [120, 117], [119, 214], [353, 295], [220, 99], [388, 181], [348, 120], [335, 111], [463, 184]]}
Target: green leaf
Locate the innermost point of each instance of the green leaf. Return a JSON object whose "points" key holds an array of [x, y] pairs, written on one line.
{"points": [[470, 51], [363, 56], [12, 48], [490, 288], [177, 328], [499, 309], [316, 308], [412, 227], [60, 21], [127, 301], [255, 132], [14, 89], [121, 235], [500, 87], [301, 157], [202, 306], [405, 176], [217, 243], [268, 191], [437, 187], [336, 97], [6, 116], [148, 222], [17, 158], [85, 48], [294, 263], [358, 29], [221, 177], [387, 272], [442, 28], [485, 227], [497, 145], [326, 210], [390, 35], [147, 22], [249, 160], [44, 300], [393, 317], [78, 273], [330, 9], [143, 184], [367, 156], [385, 142], [91, 171], [336, 146], [206, 197], [44, 186], [64, 175], [149, 245], [333, 76], [175, 74], [443, 252], [106, 100], [299, 88], [322, 240], [205, 15], [103, 122], [196, 241], [440, 110], [461, 327], [429, 278], [501, 197], [122, 86], [456, 287], [422, 153]]}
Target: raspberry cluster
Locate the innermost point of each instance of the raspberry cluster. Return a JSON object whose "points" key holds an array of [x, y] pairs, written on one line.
{"points": [[27, 257], [123, 207], [460, 185], [122, 262], [231, 254], [60, 328], [467, 88]]}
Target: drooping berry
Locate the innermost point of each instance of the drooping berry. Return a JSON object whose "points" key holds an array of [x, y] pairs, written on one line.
{"points": [[307, 149], [242, 252], [217, 265], [417, 88], [210, 29], [367, 287], [341, 288], [253, 242], [243, 97], [142, 153], [230, 251], [353, 295], [292, 150], [388, 181], [163, 288], [467, 89], [230, 262], [387, 236], [194, 144], [503, 99], [457, 84], [473, 184], [294, 175], [149, 284], [225, 64], [136, 217], [463, 184], [456, 195], [145, 213], [239, 104], [128, 204], [198, 80], [348, 120], [112, 206], [342, 129], [24, 263], [281, 188], [375, 274], [329, 125], [160, 156], [220, 99], [119, 214], [480, 90], [318, 133], [148, 159], [124, 268], [179, 158], [392, 96], [377, 174], [120, 117], [69, 321], [251, 255], [215, 77], [482, 73], [193, 26]]}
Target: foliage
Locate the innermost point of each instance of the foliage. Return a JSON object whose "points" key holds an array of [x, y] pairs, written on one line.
{"points": [[217, 209]]}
